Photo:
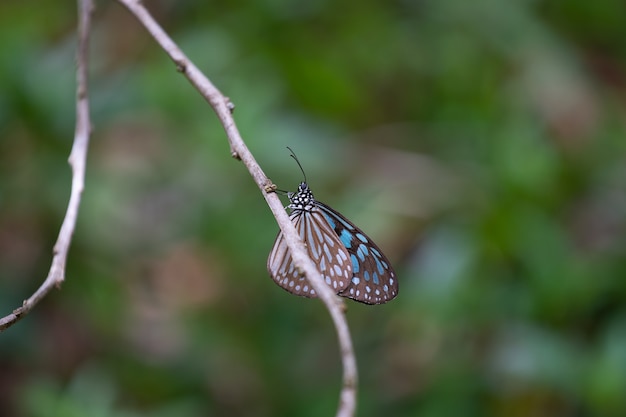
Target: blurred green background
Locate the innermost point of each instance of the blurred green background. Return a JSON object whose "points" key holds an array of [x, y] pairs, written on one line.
{"points": [[481, 144]]}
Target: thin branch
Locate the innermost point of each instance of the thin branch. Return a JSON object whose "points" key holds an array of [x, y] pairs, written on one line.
{"points": [[222, 107], [77, 160]]}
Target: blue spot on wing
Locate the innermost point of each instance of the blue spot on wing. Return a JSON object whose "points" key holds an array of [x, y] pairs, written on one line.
{"points": [[379, 266], [346, 238], [361, 253], [329, 219], [355, 264]]}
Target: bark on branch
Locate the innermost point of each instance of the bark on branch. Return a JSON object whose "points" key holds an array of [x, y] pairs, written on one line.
{"points": [[77, 161]]}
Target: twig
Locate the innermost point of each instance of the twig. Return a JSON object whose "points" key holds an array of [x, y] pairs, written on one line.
{"points": [[222, 107], [77, 160]]}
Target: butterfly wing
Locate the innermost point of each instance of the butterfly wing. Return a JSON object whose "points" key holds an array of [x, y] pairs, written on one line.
{"points": [[324, 248], [374, 280]]}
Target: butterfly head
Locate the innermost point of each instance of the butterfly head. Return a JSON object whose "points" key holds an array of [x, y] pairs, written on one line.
{"points": [[303, 199]]}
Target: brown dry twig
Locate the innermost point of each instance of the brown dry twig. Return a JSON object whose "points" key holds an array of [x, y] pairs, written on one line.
{"points": [[223, 108], [77, 161]]}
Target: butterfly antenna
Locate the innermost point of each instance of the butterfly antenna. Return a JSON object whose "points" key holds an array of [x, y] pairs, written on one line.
{"points": [[293, 155]]}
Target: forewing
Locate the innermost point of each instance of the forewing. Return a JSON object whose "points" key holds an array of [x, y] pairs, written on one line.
{"points": [[374, 280]]}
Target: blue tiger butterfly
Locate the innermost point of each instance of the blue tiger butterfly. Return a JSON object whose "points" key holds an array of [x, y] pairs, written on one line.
{"points": [[351, 264]]}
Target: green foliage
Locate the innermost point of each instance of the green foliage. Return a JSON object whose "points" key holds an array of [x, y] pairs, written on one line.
{"points": [[480, 143]]}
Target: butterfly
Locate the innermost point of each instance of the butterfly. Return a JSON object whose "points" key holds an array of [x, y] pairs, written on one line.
{"points": [[349, 261]]}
